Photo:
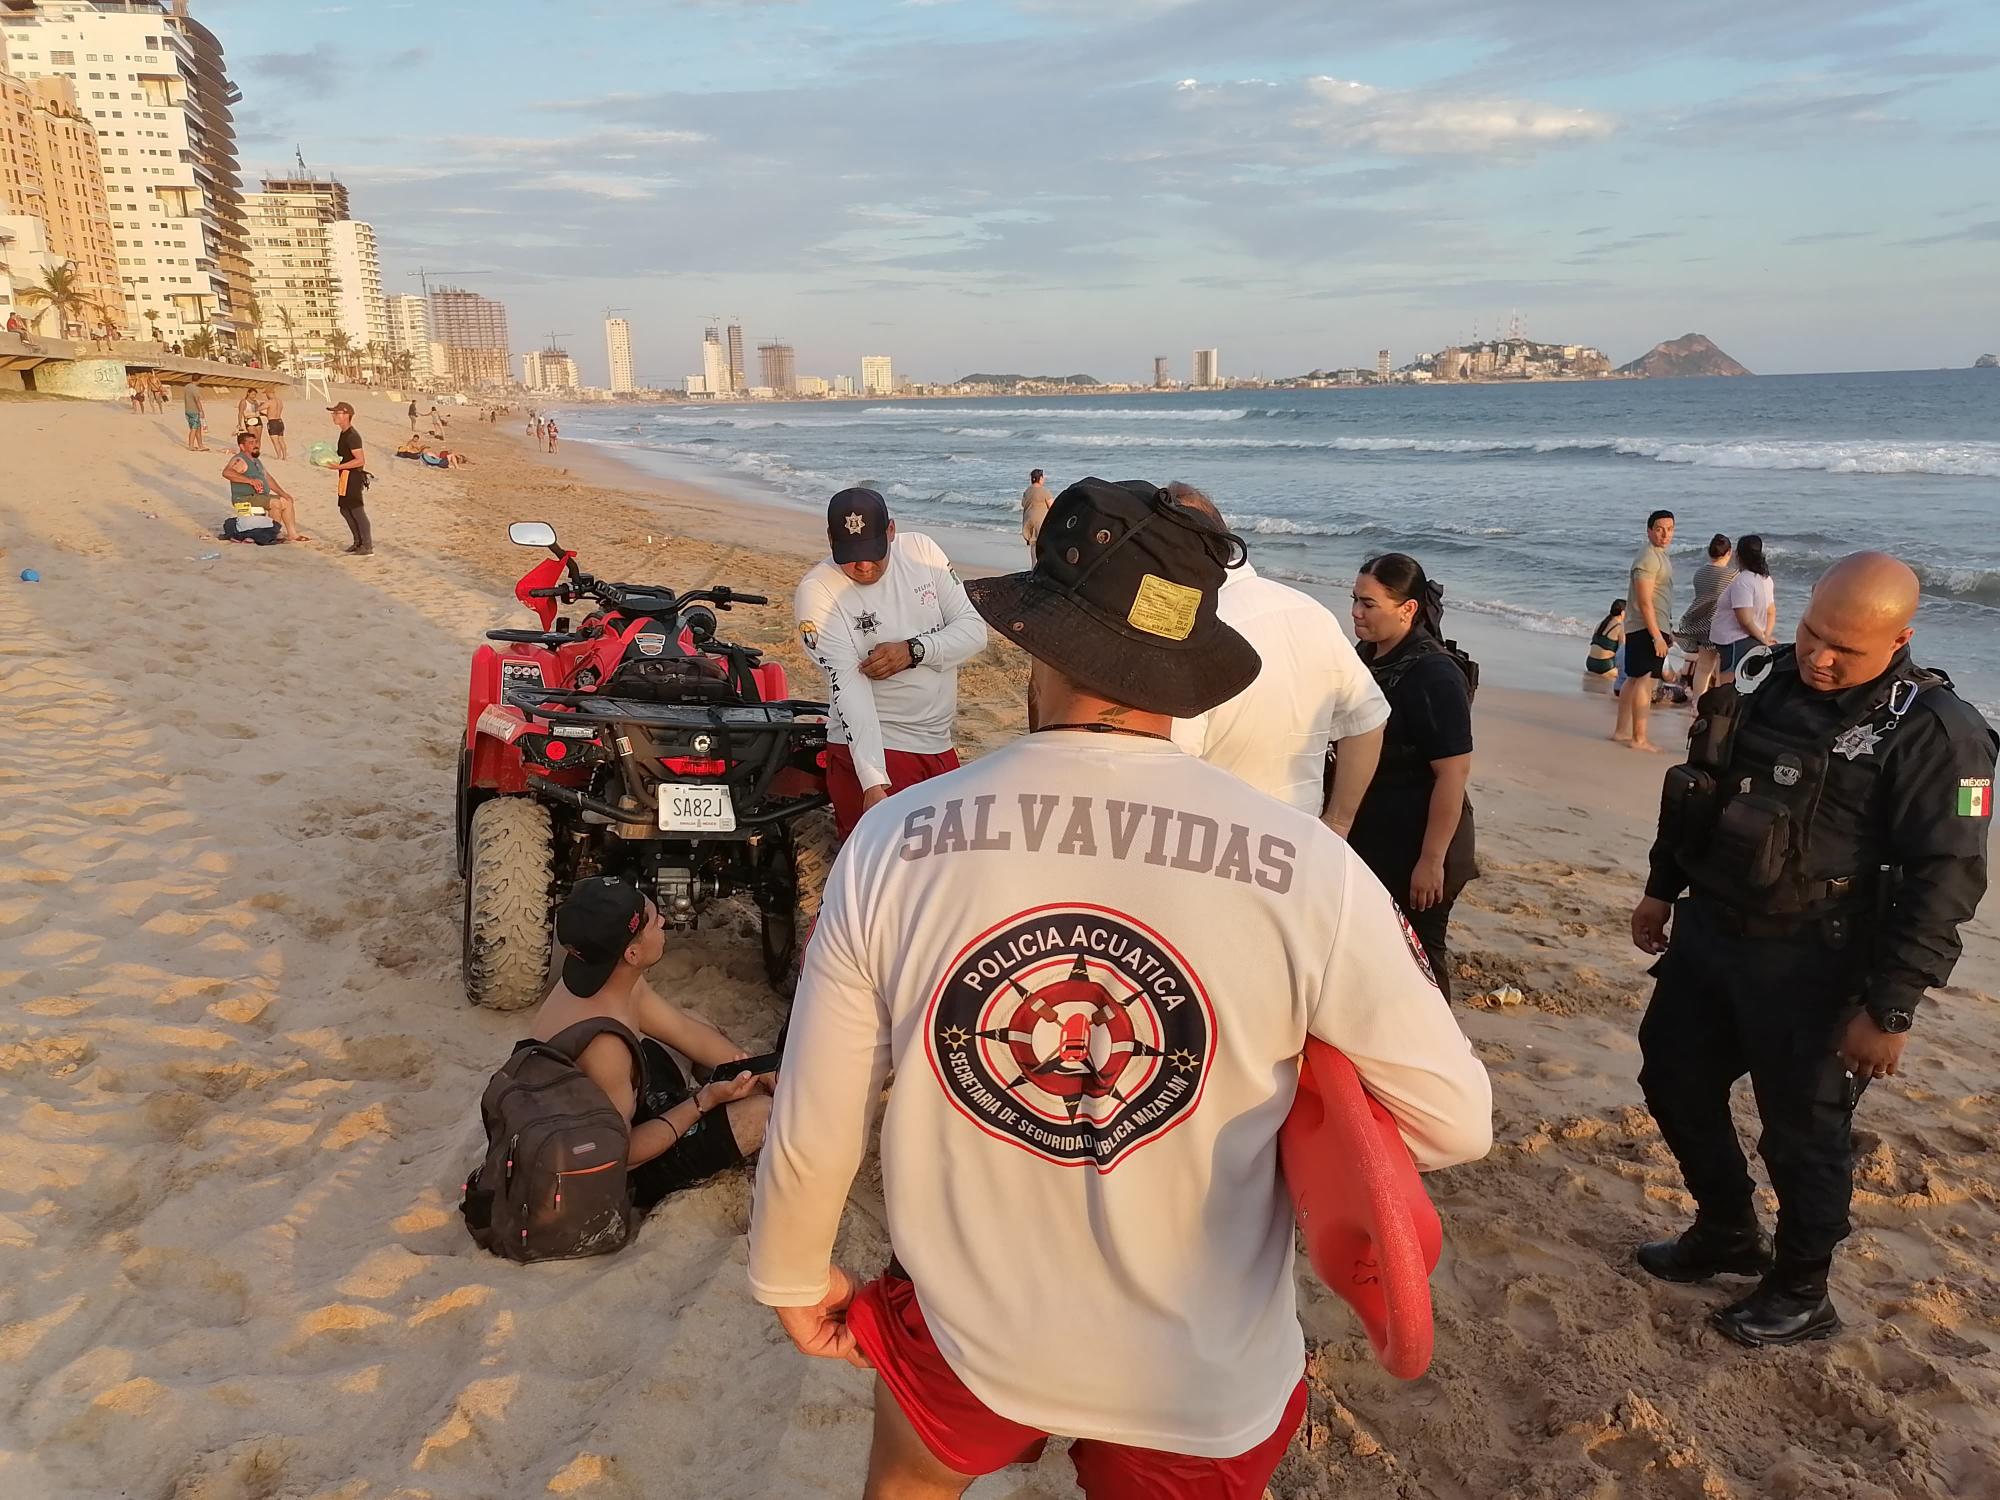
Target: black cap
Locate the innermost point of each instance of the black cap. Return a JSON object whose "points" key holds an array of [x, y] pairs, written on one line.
{"points": [[1122, 599], [857, 526], [341, 406], [595, 926]]}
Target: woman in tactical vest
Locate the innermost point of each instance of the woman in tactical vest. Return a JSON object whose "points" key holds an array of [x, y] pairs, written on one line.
{"points": [[1414, 827]]}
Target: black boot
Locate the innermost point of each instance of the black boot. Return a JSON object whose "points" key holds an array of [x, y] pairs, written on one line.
{"points": [[1709, 1248], [1790, 1306]]}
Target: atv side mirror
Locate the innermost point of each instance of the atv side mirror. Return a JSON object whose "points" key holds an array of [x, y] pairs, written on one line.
{"points": [[532, 534]]}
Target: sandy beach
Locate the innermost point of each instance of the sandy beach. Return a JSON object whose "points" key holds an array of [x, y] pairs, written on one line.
{"points": [[239, 1078]]}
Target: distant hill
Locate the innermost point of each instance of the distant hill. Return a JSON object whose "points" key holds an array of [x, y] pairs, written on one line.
{"points": [[1987, 362], [1690, 354], [984, 379]]}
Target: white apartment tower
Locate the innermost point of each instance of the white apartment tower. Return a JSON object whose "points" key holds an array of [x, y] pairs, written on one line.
{"points": [[290, 257], [876, 377], [548, 370], [355, 270], [150, 79], [409, 320], [714, 364], [1207, 368], [618, 354]]}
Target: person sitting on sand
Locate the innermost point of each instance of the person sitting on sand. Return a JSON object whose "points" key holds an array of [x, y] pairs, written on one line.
{"points": [[1602, 658], [411, 447], [611, 934], [251, 486]]}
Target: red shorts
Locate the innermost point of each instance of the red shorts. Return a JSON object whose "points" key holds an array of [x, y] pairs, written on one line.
{"points": [[906, 768], [964, 1436]]}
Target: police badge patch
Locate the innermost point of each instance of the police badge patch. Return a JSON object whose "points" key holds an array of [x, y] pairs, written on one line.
{"points": [[1859, 741], [1072, 1032]]}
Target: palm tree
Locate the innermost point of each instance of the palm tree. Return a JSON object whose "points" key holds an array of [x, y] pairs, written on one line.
{"points": [[62, 289], [290, 325], [153, 321], [340, 344], [202, 345]]}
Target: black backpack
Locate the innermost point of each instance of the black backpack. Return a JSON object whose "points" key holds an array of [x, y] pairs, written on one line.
{"points": [[1428, 645], [554, 1182]]}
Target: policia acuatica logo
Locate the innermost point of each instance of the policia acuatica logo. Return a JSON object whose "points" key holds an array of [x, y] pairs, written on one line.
{"points": [[1073, 1032]]}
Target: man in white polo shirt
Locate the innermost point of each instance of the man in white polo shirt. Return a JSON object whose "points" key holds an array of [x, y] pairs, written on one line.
{"points": [[1313, 692], [887, 620], [1092, 961]]}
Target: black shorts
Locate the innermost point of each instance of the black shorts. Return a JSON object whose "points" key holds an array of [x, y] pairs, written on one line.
{"points": [[1639, 658], [708, 1147], [276, 427]]}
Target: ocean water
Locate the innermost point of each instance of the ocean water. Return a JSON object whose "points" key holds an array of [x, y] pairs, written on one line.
{"points": [[1526, 501]]}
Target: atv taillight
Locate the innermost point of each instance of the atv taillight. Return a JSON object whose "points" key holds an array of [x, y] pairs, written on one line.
{"points": [[683, 766], [555, 750], [553, 753], [820, 760]]}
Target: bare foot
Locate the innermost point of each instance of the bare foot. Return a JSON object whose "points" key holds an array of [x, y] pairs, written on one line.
{"points": [[1623, 739], [1646, 745]]}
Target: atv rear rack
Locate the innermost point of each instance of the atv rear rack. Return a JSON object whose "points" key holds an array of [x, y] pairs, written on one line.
{"points": [[595, 708]]}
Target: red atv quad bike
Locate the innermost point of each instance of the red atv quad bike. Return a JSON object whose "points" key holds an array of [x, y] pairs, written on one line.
{"points": [[634, 744]]}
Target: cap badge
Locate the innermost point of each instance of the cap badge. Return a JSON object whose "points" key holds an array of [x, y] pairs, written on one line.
{"points": [[855, 524], [1165, 608]]}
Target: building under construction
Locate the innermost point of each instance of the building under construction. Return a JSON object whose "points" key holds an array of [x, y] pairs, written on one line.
{"points": [[777, 368]]}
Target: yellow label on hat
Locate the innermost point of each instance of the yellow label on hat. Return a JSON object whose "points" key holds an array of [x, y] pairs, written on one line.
{"points": [[1165, 608]]}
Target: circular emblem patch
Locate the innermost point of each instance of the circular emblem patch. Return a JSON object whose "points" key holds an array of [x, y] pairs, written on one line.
{"points": [[1073, 1032]]}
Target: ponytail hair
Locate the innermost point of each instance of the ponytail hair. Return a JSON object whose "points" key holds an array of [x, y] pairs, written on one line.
{"points": [[1750, 556], [1403, 578]]}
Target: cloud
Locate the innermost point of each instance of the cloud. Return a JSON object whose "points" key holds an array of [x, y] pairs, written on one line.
{"points": [[1412, 123], [1985, 232], [1831, 237]]}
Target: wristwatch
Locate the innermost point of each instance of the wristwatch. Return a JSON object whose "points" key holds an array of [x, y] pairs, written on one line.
{"points": [[1895, 1022], [916, 646]]}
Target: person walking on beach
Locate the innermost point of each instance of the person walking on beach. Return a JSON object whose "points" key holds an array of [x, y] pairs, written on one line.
{"points": [[889, 625], [551, 430], [351, 480], [1830, 827], [1092, 961], [1646, 642], [1312, 695], [1414, 828], [251, 485], [1746, 613], [1035, 503], [196, 412], [1710, 579], [413, 415], [274, 422]]}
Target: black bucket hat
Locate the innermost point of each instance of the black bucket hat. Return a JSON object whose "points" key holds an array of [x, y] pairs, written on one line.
{"points": [[1122, 599]]}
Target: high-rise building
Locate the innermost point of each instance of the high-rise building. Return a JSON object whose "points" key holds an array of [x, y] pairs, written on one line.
{"points": [[1381, 364], [811, 385], [777, 368], [618, 354], [1161, 378], [736, 381], [291, 261], [51, 169], [714, 364], [549, 369], [843, 385], [152, 81], [409, 320], [358, 308], [1207, 368], [472, 332], [877, 379]]}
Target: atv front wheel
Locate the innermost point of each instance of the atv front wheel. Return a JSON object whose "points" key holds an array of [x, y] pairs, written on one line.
{"points": [[793, 881], [509, 870]]}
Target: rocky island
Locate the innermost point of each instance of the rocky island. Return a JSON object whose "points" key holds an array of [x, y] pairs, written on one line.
{"points": [[1987, 362], [1690, 354]]}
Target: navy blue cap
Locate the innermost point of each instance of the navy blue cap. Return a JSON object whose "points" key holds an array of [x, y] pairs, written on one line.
{"points": [[857, 526]]}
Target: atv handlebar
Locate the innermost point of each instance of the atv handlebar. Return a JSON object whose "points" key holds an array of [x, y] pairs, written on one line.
{"points": [[641, 597]]}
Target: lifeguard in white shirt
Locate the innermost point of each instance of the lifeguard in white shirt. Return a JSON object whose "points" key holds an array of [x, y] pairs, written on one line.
{"points": [[889, 625]]}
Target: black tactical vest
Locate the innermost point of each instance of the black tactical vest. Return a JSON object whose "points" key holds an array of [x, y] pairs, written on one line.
{"points": [[1740, 814]]}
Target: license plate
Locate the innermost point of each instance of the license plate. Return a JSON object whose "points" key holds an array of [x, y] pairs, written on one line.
{"points": [[688, 807]]}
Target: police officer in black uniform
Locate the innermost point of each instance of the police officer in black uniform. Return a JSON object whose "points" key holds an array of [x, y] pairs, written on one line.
{"points": [[1830, 825]]}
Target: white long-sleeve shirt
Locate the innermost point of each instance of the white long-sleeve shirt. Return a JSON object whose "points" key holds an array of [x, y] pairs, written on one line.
{"points": [[1312, 691], [841, 621], [1092, 961]]}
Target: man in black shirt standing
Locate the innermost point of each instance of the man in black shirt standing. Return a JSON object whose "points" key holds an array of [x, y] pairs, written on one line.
{"points": [[351, 480], [1830, 827]]}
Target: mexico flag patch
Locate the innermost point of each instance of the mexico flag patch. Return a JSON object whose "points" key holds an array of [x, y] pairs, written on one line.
{"points": [[1975, 798]]}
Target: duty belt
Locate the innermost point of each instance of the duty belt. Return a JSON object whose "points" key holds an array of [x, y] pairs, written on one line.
{"points": [[1834, 920]]}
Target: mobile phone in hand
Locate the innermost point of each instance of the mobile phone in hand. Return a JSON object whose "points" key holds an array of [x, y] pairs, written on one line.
{"points": [[724, 1072]]}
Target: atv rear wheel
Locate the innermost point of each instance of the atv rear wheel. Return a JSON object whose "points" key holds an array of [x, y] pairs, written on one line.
{"points": [[793, 882], [509, 870]]}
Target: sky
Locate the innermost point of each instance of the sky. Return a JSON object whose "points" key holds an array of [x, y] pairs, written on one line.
{"points": [[1057, 186]]}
